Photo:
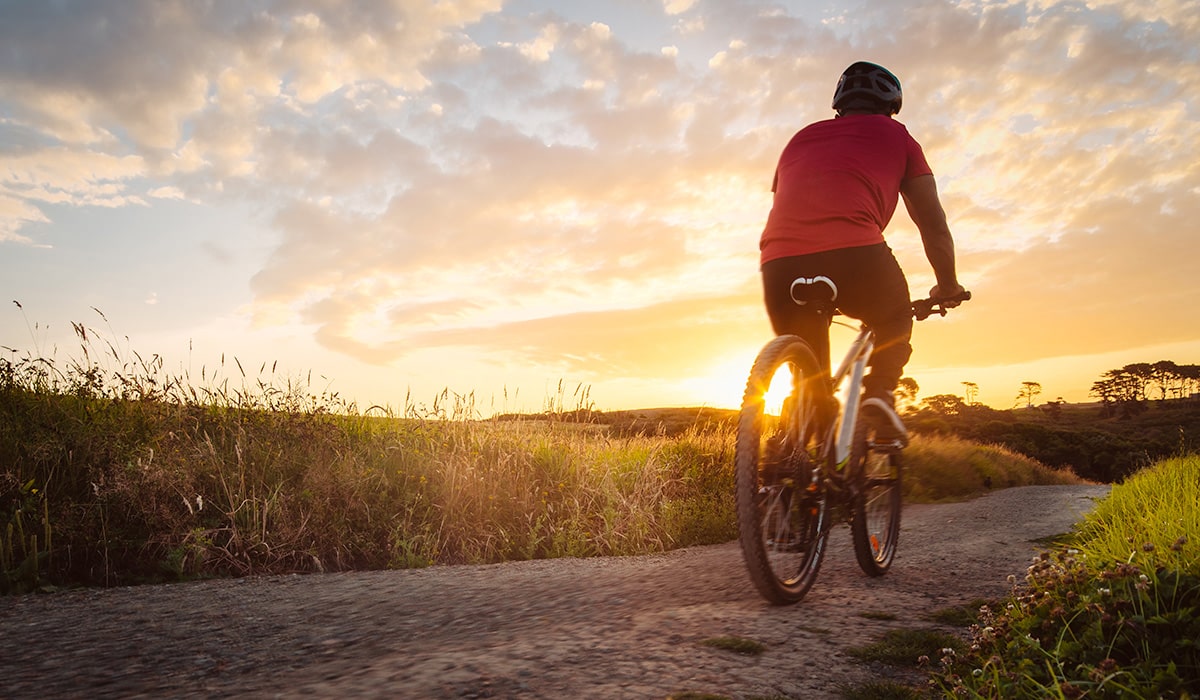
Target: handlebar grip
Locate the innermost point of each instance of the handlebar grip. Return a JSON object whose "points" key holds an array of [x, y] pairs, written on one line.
{"points": [[924, 308]]}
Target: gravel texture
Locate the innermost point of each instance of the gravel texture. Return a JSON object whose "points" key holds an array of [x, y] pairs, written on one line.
{"points": [[629, 627]]}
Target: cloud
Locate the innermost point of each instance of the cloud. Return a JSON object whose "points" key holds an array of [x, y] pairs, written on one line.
{"points": [[33, 177], [460, 175], [222, 77], [167, 192]]}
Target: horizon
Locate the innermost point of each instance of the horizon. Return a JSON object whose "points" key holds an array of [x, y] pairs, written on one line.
{"points": [[496, 197]]}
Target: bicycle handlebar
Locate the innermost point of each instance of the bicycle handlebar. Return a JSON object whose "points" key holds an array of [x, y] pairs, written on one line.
{"points": [[924, 308]]}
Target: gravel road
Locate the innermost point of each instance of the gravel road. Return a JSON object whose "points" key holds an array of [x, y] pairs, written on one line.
{"points": [[627, 627]]}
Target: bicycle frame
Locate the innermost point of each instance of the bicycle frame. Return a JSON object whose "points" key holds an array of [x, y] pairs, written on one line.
{"points": [[854, 365]]}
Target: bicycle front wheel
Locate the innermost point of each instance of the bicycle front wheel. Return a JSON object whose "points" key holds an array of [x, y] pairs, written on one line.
{"points": [[876, 500], [781, 498]]}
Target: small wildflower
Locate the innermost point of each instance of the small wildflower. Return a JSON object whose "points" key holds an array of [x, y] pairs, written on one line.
{"points": [[1148, 547], [923, 660], [1178, 544]]}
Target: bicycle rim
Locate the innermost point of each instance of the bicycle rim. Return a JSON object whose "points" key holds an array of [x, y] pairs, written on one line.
{"points": [[876, 505], [781, 501]]}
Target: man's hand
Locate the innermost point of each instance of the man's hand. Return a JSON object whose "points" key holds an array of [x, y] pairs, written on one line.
{"points": [[948, 297]]}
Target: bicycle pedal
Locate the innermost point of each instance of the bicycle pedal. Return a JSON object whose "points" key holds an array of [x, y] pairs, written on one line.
{"points": [[890, 447]]}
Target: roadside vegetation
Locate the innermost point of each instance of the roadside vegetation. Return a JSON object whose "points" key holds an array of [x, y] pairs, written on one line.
{"points": [[1116, 613], [1110, 611], [114, 472], [1105, 441]]}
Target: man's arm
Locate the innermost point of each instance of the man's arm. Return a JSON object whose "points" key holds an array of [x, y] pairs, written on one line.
{"points": [[921, 200]]}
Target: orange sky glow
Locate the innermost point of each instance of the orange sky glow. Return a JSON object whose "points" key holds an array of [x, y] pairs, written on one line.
{"points": [[498, 198]]}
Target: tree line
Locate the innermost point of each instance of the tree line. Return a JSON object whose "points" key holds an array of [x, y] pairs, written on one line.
{"points": [[1143, 381], [1146, 411]]}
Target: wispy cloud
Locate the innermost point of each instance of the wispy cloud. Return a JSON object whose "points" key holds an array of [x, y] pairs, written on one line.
{"points": [[552, 188]]}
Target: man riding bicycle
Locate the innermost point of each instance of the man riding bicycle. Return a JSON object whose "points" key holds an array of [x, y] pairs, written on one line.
{"points": [[836, 187]]}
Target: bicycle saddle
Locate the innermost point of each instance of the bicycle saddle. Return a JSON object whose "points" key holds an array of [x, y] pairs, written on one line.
{"points": [[817, 291]]}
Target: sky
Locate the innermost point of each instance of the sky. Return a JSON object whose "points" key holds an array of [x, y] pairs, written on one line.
{"points": [[534, 202]]}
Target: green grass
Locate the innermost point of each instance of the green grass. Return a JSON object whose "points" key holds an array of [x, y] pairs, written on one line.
{"points": [[961, 615], [738, 645], [906, 647], [1116, 614]]}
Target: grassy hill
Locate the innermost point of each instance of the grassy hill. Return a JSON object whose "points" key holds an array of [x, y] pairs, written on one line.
{"points": [[1099, 442]]}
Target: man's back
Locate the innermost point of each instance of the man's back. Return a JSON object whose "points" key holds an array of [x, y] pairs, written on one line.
{"points": [[837, 185]]}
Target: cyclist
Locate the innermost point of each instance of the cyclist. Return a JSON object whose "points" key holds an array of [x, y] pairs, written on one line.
{"points": [[836, 187]]}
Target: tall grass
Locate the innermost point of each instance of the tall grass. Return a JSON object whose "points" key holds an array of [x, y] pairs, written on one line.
{"points": [[113, 471], [947, 468]]}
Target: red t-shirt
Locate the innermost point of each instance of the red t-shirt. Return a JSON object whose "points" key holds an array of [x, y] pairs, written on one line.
{"points": [[837, 185]]}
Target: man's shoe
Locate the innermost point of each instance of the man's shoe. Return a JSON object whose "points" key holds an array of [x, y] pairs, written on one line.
{"points": [[889, 429]]}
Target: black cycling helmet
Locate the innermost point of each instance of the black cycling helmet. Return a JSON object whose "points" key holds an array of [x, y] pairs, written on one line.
{"points": [[868, 86]]}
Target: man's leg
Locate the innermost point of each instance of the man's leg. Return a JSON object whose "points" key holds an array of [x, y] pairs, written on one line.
{"points": [[786, 316], [873, 289], [879, 296]]}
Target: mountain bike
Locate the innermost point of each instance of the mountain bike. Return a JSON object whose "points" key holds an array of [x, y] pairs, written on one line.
{"points": [[805, 460]]}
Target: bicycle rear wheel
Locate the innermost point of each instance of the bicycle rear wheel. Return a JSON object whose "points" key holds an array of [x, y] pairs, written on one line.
{"points": [[876, 500], [781, 498]]}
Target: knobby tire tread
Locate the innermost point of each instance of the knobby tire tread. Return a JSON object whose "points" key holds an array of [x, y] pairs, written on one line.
{"points": [[864, 550]]}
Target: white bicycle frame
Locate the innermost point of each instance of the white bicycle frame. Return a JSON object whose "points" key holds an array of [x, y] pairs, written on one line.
{"points": [[854, 365]]}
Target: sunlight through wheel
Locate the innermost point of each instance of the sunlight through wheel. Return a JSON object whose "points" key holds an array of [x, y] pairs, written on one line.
{"points": [[781, 500]]}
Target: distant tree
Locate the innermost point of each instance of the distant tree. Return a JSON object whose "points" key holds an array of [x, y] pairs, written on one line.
{"points": [[1117, 386], [1054, 408], [1164, 374], [970, 392], [1104, 389], [1134, 382], [906, 392], [1029, 391], [1190, 375], [944, 404]]}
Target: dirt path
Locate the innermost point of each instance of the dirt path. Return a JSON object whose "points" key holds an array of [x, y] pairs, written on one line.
{"points": [[596, 628]]}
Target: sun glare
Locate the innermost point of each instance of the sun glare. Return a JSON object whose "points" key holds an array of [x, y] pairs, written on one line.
{"points": [[724, 386], [781, 387]]}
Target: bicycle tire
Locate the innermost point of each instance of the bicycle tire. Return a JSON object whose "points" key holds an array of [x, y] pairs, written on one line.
{"points": [[876, 501], [782, 502]]}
